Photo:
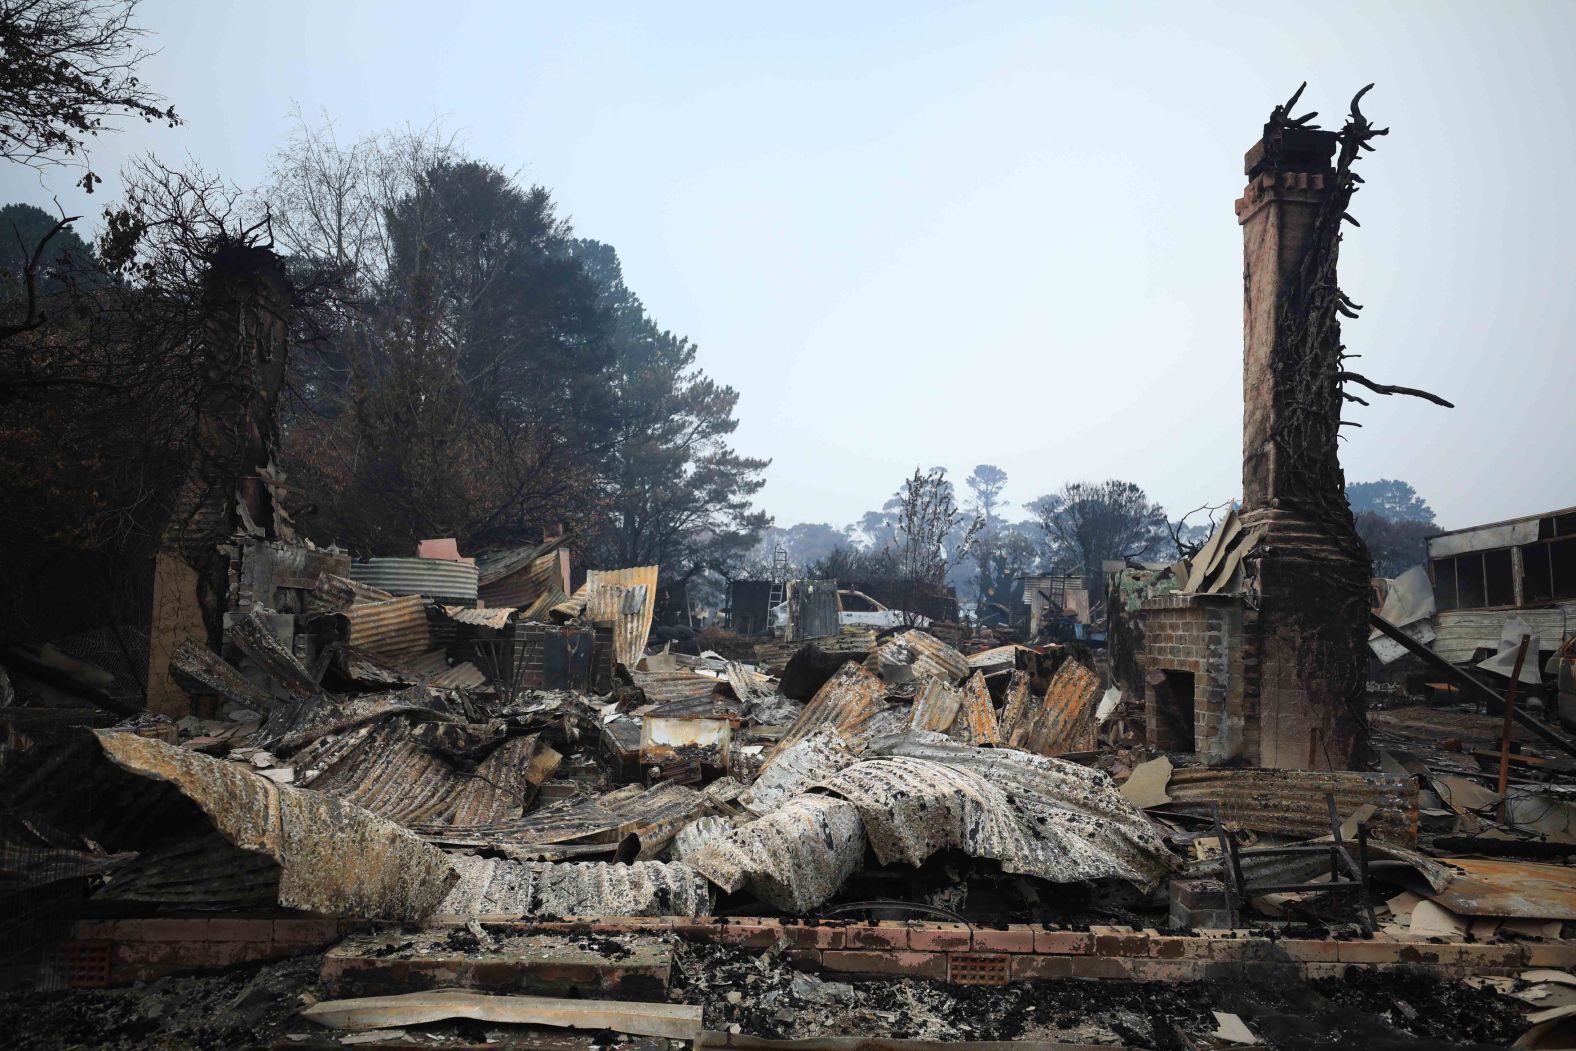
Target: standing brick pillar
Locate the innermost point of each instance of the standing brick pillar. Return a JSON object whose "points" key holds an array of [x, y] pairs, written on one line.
{"points": [[1307, 645]]}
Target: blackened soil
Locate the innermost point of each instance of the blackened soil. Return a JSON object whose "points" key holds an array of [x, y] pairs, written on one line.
{"points": [[247, 1007], [1423, 1006], [1364, 1009]]}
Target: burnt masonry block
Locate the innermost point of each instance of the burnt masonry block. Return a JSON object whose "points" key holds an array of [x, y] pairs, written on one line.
{"points": [[627, 968]]}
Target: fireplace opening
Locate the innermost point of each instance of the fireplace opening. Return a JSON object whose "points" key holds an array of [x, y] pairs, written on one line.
{"points": [[1175, 696]]}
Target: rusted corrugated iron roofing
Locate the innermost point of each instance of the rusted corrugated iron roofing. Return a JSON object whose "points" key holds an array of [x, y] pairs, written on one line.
{"points": [[976, 721], [492, 566], [1063, 722], [480, 618], [936, 705], [846, 704], [391, 631], [632, 614], [1292, 803]]}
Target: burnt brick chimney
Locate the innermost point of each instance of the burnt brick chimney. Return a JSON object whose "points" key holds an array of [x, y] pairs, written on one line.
{"points": [[1307, 643]]}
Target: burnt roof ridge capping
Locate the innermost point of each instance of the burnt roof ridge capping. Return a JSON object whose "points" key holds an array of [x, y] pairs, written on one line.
{"points": [[334, 857]]}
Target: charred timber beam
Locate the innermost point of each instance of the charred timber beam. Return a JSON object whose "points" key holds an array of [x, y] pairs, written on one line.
{"points": [[197, 667]]}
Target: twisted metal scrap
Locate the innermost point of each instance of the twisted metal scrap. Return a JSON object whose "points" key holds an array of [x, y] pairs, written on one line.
{"points": [[1309, 357]]}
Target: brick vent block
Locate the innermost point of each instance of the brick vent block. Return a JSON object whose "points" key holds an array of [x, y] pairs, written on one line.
{"points": [[86, 964], [979, 968]]}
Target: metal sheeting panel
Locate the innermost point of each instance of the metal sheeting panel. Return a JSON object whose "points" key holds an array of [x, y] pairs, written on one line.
{"points": [[976, 721], [389, 773], [997, 659], [434, 578], [1064, 722], [812, 609], [801, 765], [390, 631], [915, 654], [497, 619], [631, 622], [936, 706], [1291, 802], [1035, 815], [846, 704], [601, 820], [662, 686], [525, 586], [334, 857], [795, 858], [1461, 632], [499, 887]]}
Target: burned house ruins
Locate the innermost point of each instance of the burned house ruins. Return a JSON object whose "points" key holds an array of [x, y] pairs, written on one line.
{"points": [[444, 797]]}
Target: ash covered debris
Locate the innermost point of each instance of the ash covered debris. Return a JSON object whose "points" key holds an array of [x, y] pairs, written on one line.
{"points": [[482, 777]]}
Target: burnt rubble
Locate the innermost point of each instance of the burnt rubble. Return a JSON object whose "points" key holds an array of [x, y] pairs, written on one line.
{"points": [[464, 801]]}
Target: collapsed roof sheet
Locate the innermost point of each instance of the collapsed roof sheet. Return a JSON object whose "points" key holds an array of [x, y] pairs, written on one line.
{"points": [[500, 887], [1064, 722], [795, 857], [847, 704], [599, 822], [1035, 815], [913, 655], [800, 765], [1292, 803], [388, 772], [334, 857]]}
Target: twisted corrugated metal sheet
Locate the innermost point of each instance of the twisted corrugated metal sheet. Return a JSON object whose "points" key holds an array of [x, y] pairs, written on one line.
{"points": [[499, 887], [629, 612], [389, 773], [916, 654], [795, 858], [847, 703], [334, 857], [1036, 816], [1064, 722]]}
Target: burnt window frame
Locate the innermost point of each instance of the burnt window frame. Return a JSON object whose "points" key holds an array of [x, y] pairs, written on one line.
{"points": [[1449, 584]]}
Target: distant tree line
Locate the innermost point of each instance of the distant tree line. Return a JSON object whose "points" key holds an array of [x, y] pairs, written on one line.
{"points": [[1075, 529], [461, 363]]}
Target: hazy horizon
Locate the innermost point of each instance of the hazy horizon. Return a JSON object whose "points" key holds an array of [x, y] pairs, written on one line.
{"points": [[916, 235]]}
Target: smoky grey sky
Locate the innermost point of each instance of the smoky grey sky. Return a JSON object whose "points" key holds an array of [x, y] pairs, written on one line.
{"points": [[931, 234]]}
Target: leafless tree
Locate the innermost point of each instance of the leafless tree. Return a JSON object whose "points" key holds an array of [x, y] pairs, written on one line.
{"points": [[69, 66], [927, 515]]}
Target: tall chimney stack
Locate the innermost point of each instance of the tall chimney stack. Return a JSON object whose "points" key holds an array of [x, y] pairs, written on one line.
{"points": [[1309, 634]]}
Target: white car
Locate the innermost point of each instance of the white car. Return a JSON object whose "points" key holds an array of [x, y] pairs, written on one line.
{"points": [[857, 608]]}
